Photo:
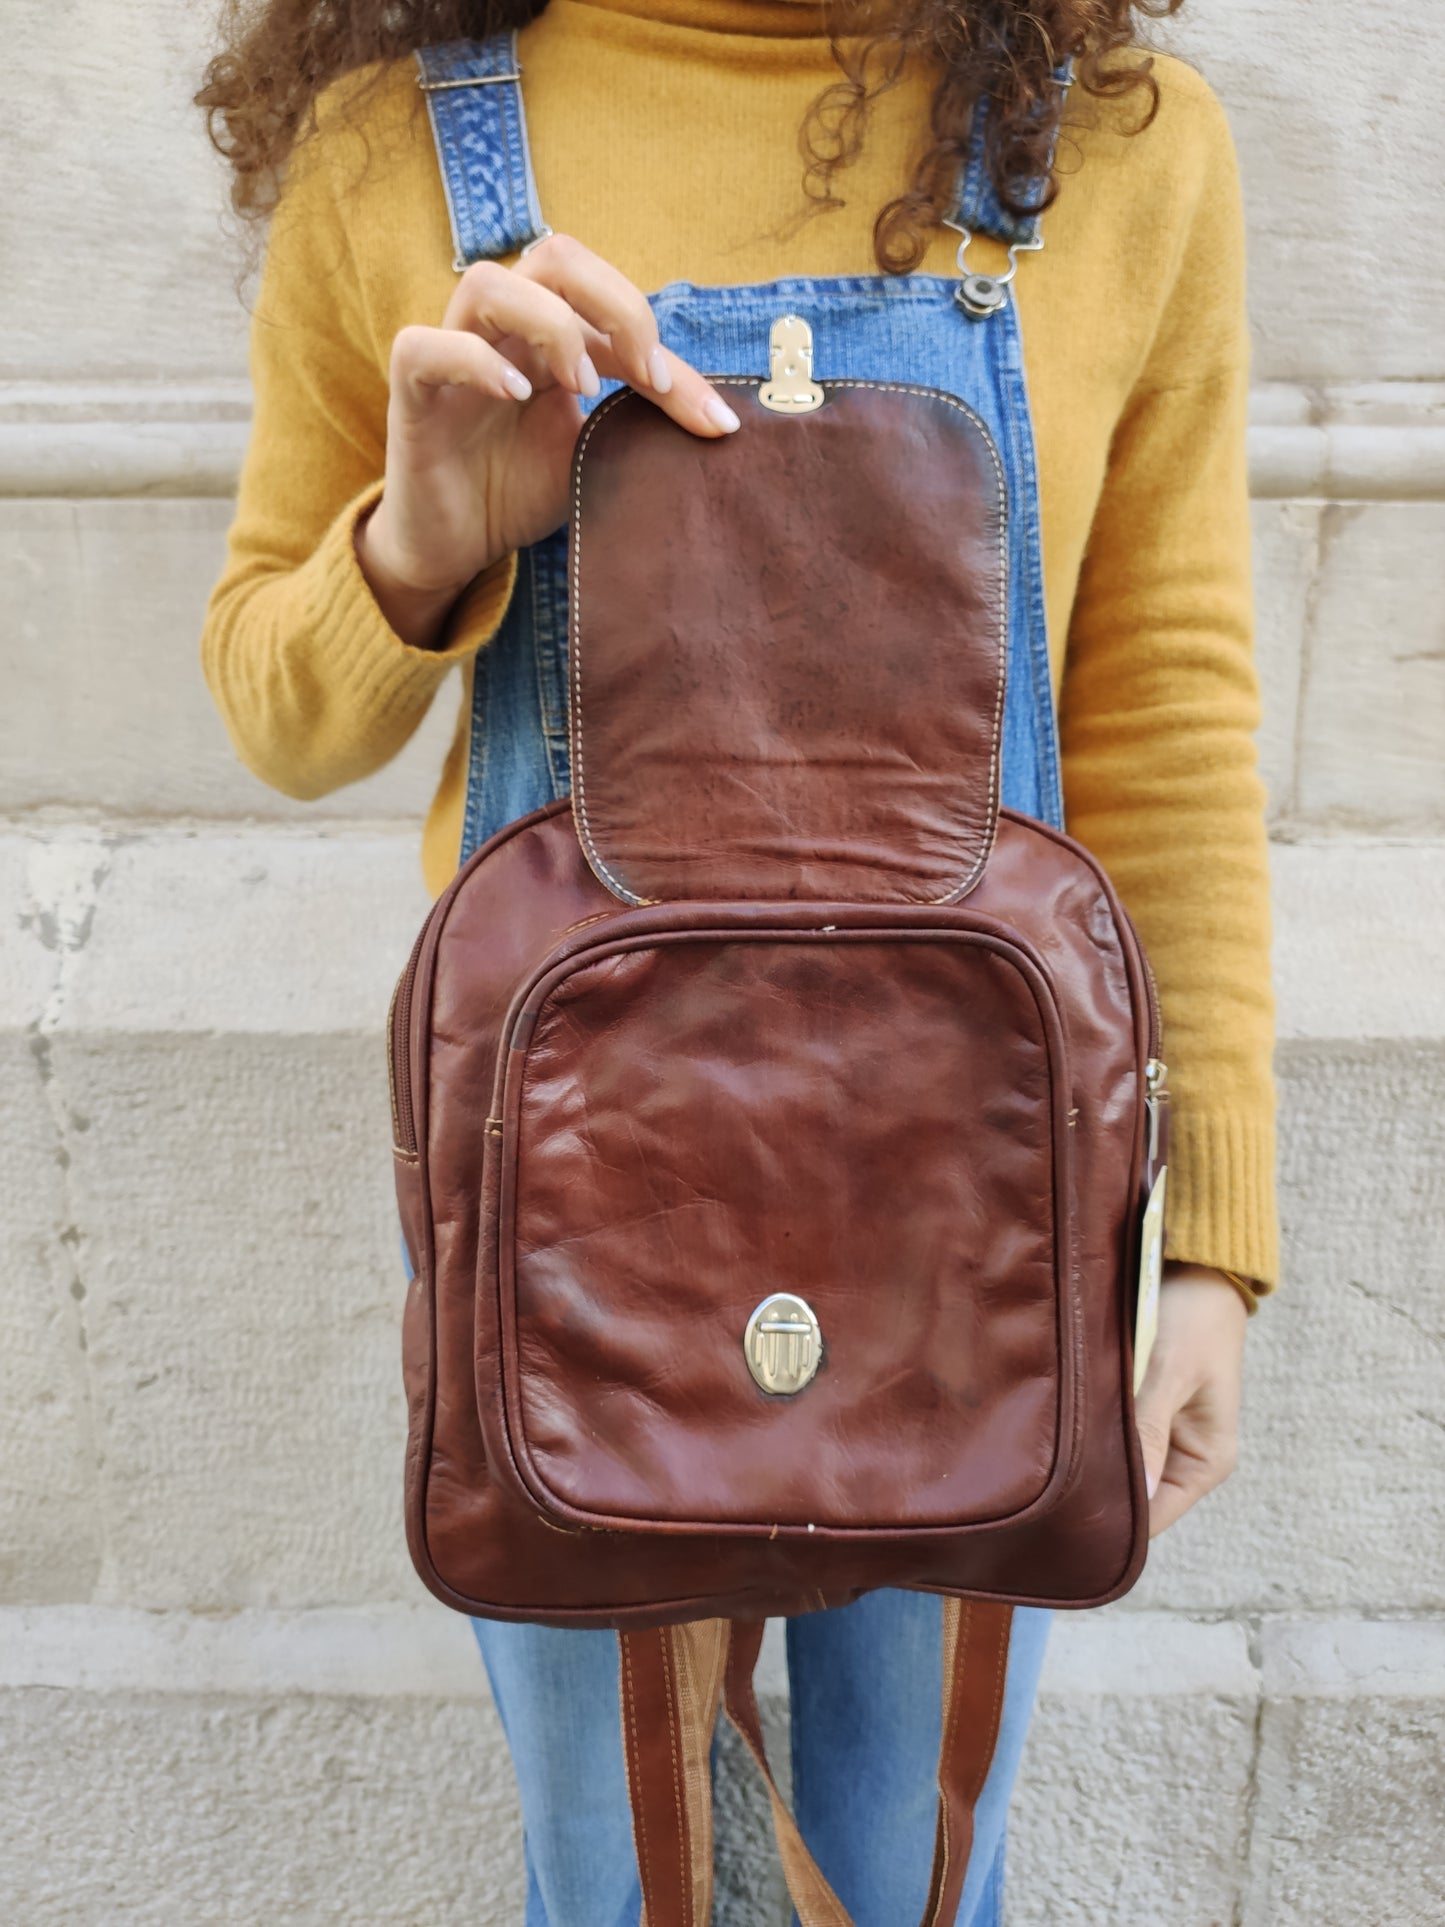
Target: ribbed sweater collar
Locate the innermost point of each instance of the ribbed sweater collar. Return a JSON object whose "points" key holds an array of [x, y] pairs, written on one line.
{"points": [[767, 19]]}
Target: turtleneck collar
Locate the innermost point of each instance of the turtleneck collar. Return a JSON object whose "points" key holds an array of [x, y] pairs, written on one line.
{"points": [[767, 19]]}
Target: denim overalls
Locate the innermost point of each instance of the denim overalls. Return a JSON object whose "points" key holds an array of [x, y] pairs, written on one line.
{"points": [[866, 1679]]}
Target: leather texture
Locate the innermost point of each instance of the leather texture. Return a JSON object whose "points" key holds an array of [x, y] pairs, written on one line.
{"points": [[823, 599], [621, 1127], [780, 1111], [669, 1681], [477, 1534]]}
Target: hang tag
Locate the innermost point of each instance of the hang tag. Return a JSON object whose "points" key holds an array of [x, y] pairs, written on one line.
{"points": [[1151, 1274]]}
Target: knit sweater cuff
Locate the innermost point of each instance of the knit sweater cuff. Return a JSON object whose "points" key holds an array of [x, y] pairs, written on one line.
{"points": [[363, 654], [1221, 1200]]}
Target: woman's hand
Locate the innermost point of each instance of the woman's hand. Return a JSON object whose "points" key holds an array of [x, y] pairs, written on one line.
{"points": [[484, 413], [1188, 1406]]}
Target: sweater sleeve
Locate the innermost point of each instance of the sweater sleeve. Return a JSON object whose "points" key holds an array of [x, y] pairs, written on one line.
{"points": [[1158, 708], [315, 687]]}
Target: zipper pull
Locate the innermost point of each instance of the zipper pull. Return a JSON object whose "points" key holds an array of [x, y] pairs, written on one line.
{"points": [[1156, 1112], [1151, 1230]]}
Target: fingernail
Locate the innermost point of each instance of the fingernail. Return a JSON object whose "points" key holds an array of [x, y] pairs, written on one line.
{"points": [[516, 383], [1151, 1483], [721, 416], [587, 380], [660, 373]]}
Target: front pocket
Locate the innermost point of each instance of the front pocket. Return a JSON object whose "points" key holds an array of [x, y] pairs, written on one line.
{"points": [[870, 1122]]}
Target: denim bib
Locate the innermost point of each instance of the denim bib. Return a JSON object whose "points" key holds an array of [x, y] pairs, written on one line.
{"points": [[959, 334]]}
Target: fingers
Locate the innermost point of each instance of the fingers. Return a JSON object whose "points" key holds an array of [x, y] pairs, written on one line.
{"points": [[603, 296], [425, 359], [1188, 1430], [1153, 1417], [564, 312], [1187, 1411], [1187, 1476], [503, 304], [691, 401]]}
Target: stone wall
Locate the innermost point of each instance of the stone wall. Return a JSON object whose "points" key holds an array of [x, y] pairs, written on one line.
{"points": [[224, 1697]]}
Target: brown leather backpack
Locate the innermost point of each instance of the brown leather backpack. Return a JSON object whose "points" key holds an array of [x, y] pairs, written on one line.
{"points": [[774, 1122]]}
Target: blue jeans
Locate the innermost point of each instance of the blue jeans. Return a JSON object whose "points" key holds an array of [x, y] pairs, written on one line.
{"points": [[866, 1717]]}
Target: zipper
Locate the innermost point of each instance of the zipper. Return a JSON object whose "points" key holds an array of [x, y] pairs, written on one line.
{"points": [[652, 925], [403, 1113], [1156, 1071], [1156, 1100], [1155, 1027]]}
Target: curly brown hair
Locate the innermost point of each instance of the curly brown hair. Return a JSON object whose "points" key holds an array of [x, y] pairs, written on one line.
{"points": [[260, 91]]}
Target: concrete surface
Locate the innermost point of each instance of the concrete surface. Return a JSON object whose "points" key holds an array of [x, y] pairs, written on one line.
{"points": [[103, 607], [348, 1766], [105, 593], [223, 1696]]}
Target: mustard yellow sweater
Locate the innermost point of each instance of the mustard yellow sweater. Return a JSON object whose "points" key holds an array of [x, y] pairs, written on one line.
{"points": [[665, 137]]}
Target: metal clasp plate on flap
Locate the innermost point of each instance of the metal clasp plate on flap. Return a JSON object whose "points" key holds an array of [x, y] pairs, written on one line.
{"points": [[790, 388]]}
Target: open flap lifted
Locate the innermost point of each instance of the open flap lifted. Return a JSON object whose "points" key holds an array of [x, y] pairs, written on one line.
{"points": [[718, 590]]}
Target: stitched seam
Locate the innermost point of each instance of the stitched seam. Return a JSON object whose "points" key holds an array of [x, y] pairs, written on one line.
{"points": [[478, 761], [639, 1805], [463, 174], [545, 598], [506, 121], [535, 218], [994, 1713], [443, 157], [959, 1660], [476, 100], [579, 779], [391, 1066], [589, 844], [691, 1693], [1020, 419], [683, 1843]]}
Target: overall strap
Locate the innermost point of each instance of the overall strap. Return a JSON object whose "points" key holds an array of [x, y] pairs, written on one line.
{"points": [[473, 94], [669, 1679], [978, 209]]}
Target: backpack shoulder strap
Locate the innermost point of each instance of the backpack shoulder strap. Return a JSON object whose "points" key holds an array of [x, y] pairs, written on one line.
{"points": [[670, 1680], [473, 94]]}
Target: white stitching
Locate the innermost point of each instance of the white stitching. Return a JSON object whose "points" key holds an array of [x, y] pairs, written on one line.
{"points": [[589, 844], [579, 781], [684, 1832], [644, 1858]]}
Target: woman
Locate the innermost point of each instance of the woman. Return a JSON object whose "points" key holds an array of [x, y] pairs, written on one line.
{"points": [[407, 476]]}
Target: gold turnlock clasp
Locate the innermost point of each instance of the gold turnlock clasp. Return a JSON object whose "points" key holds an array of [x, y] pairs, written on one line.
{"points": [[783, 1344], [790, 388]]}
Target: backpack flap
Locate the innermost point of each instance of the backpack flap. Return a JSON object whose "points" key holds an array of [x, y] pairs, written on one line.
{"points": [[788, 648]]}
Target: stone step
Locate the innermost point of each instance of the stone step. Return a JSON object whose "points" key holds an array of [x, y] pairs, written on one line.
{"points": [[106, 708], [346, 1766]]}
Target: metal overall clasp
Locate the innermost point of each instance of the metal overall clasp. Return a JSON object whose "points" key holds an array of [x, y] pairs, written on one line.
{"points": [[980, 295], [790, 388]]}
